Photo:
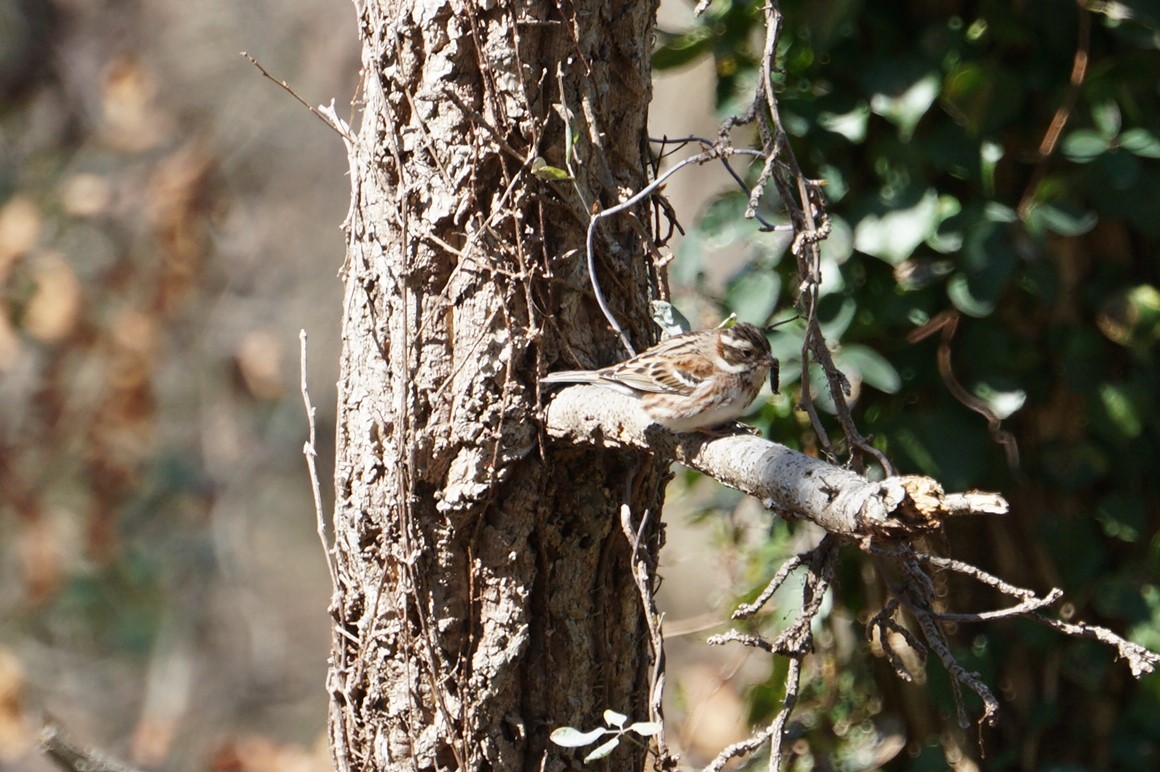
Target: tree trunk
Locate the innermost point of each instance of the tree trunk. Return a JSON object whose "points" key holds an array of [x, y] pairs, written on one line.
{"points": [[484, 594]]}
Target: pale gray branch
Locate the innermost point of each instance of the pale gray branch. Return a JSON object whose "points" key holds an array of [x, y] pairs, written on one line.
{"points": [[840, 501]]}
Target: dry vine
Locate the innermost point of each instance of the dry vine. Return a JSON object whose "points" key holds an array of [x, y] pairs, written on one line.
{"points": [[602, 420]]}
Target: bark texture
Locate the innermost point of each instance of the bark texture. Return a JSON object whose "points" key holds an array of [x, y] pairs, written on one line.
{"points": [[483, 590]]}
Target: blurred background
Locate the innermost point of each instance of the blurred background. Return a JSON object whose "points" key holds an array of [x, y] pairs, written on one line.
{"points": [[169, 220]]}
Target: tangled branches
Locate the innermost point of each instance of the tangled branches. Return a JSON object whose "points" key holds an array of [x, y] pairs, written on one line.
{"points": [[911, 624]]}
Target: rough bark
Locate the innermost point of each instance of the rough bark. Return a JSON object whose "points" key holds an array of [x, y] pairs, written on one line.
{"points": [[483, 592]]}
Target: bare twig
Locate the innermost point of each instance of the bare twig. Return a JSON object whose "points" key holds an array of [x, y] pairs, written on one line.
{"points": [[947, 322], [1018, 610], [703, 157], [70, 755], [885, 623], [644, 586], [795, 642], [788, 567], [973, 572], [938, 643], [336, 125], [775, 730], [311, 454], [1063, 112], [1141, 660], [766, 225]]}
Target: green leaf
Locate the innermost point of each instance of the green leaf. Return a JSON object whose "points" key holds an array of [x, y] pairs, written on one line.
{"points": [[874, 368], [851, 125], [1120, 170], [835, 327], [820, 388], [836, 183], [988, 260], [990, 153], [727, 322], [839, 245], [688, 267], [603, 750], [1106, 116], [961, 296], [893, 235], [946, 238], [723, 223], [1147, 633], [676, 50], [1123, 516], [967, 94], [753, 295], [1140, 142], [541, 169], [993, 211], [570, 737], [1131, 316], [1121, 409], [1061, 219], [1002, 403], [1083, 145], [905, 109]]}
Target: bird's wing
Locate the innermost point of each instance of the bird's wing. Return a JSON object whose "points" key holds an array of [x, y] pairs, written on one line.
{"points": [[659, 376]]}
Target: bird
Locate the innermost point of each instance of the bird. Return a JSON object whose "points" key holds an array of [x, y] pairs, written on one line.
{"points": [[690, 382]]}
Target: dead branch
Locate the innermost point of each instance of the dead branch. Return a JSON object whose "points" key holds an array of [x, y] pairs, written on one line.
{"points": [[70, 755], [645, 580], [311, 453], [883, 517], [1141, 661], [840, 501]]}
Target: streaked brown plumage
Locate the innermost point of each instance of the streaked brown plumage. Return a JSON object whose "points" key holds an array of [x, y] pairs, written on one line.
{"points": [[692, 381]]}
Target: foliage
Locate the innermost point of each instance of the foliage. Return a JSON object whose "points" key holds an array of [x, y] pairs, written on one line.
{"points": [[617, 726], [950, 199]]}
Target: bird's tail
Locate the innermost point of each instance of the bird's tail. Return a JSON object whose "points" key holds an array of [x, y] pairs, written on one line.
{"points": [[572, 376]]}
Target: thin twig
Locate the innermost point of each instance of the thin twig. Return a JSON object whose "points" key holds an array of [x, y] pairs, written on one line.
{"points": [[1063, 112], [1140, 660], [775, 730], [331, 123], [975, 573], [766, 225], [749, 609], [946, 323], [1019, 610], [885, 623], [643, 581], [648, 190], [938, 642], [311, 454], [70, 755]]}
